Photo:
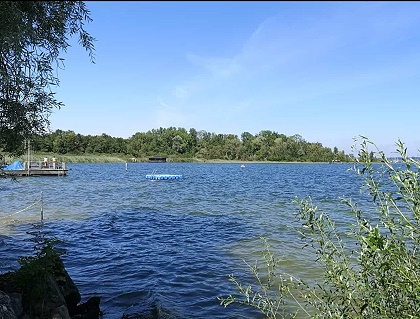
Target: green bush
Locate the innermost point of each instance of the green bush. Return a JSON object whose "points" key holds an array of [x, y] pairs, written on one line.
{"points": [[373, 271], [33, 275]]}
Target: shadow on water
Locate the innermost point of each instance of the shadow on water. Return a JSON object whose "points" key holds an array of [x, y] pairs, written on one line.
{"points": [[138, 266]]}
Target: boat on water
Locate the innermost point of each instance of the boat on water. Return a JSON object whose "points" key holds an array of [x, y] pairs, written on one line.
{"points": [[155, 176], [36, 169]]}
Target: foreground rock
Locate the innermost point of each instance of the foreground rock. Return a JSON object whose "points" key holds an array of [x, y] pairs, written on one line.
{"points": [[42, 289]]}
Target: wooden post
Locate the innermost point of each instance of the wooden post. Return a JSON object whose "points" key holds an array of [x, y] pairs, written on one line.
{"points": [[29, 157], [42, 208]]}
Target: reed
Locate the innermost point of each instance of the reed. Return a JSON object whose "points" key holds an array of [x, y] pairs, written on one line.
{"points": [[76, 158]]}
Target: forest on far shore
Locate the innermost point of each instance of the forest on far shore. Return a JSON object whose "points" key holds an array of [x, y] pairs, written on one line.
{"points": [[180, 144]]}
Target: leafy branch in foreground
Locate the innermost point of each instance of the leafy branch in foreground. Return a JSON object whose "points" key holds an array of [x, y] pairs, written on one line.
{"points": [[270, 291], [370, 271]]}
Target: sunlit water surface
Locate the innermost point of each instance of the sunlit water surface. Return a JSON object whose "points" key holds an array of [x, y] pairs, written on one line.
{"points": [[171, 245]]}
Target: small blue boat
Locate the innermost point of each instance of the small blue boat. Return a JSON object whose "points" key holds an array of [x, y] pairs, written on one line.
{"points": [[155, 176]]}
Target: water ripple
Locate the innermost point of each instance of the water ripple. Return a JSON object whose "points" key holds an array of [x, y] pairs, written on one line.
{"points": [[168, 246]]}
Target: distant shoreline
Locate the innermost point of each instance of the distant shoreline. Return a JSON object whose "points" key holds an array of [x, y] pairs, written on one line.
{"points": [[117, 158], [259, 162]]}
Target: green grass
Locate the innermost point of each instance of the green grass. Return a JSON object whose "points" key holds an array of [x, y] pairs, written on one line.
{"points": [[71, 158]]}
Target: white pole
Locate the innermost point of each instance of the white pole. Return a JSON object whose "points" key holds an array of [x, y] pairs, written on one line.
{"points": [[126, 166]]}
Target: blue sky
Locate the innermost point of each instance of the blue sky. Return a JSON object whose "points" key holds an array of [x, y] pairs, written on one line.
{"points": [[328, 71]]}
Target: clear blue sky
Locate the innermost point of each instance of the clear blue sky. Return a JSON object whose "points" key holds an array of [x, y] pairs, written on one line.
{"points": [[328, 71]]}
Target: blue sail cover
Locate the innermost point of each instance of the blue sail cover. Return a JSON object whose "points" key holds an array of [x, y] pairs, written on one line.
{"points": [[16, 165]]}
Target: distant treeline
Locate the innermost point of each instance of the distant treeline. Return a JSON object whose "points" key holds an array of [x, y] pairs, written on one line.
{"points": [[178, 143]]}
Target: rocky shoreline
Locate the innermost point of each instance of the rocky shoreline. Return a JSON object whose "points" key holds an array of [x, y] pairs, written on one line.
{"points": [[42, 289]]}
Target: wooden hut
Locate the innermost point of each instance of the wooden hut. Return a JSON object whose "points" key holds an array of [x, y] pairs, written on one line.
{"points": [[157, 159]]}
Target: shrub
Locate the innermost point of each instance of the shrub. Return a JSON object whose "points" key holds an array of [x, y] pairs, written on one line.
{"points": [[373, 271], [32, 278]]}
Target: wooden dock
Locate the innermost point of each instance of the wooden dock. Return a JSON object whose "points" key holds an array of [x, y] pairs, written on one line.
{"points": [[39, 169]]}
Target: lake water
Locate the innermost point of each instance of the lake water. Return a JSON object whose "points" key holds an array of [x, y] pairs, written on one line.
{"points": [[170, 245]]}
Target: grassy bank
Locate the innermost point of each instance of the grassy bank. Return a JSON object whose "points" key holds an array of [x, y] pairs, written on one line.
{"points": [[70, 158], [121, 158]]}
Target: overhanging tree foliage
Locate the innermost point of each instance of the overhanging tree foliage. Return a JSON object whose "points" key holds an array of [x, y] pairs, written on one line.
{"points": [[33, 36]]}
